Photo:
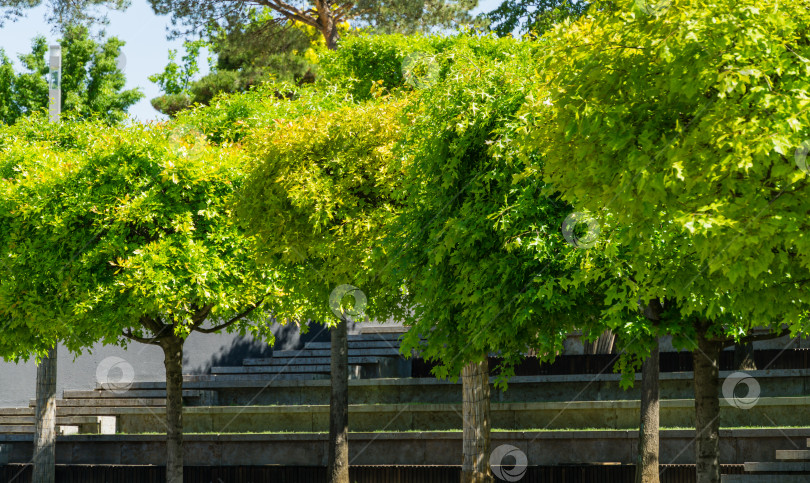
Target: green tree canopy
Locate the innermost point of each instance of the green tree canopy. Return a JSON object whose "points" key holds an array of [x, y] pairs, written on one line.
{"points": [[63, 13], [92, 82], [683, 127], [683, 143], [532, 16], [405, 16], [320, 193], [478, 244], [132, 236], [259, 51]]}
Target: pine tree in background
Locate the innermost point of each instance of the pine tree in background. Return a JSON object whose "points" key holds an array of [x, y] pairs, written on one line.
{"points": [[92, 79]]}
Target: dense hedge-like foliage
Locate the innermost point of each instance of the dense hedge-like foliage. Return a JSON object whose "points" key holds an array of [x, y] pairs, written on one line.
{"points": [[688, 126], [478, 244], [321, 193], [101, 227]]}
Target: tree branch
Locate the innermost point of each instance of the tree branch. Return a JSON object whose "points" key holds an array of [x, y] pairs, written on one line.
{"points": [[151, 324], [129, 335], [289, 11], [201, 315], [236, 318]]}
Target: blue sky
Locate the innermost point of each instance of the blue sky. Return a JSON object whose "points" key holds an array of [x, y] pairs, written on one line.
{"points": [[146, 48]]}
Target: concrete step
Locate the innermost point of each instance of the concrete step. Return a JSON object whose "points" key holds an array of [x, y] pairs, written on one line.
{"points": [[306, 361], [764, 479], [357, 344], [106, 402], [793, 454], [140, 394], [778, 467], [374, 344], [326, 353], [302, 353], [364, 344], [159, 411], [17, 429], [270, 369], [17, 420], [60, 421], [17, 411], [227, 381], [394, 335]]}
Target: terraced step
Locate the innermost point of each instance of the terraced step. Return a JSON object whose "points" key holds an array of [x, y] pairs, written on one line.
{"points": [[60, 421], [764, 479], [301, 361], [394, 335], [17, 429], [326, 353], [17, 411], [778, 467], [793, 454], [269, 369], [158, 411], [365, 344], [374, 344], [106, 402], [139, 394]]}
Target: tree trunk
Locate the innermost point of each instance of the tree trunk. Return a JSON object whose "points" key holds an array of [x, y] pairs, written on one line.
{"points": [[173, 360], [327, 21], [475, 412], [338, 463], [707, 409], [45, 433], [647, 461], [744, 357]]}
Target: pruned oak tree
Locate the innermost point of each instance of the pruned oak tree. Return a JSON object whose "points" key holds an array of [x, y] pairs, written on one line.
{"points": [[687, 126], [132, 241], [478, 245], [319, 195]]}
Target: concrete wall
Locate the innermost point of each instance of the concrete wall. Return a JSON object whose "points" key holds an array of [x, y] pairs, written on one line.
{"points": [[17, 380], [541, 448], [788, 412], [202, 351]]}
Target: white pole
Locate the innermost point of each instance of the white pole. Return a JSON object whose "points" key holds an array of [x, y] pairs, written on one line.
{"points": [[55, 83], [45, 431]]}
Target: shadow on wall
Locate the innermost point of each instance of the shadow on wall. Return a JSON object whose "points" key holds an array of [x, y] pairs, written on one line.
{"points": [[288, 337]]}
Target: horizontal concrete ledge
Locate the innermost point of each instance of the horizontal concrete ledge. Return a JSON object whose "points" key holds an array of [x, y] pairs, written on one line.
{"points": [[778, 467], [421, 435], [793, 454], [211, 381], [418, 448], [517, 406], [764, 479]]}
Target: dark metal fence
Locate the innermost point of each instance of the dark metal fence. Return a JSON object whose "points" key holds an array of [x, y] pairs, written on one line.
{"points": [[358, 474]]}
